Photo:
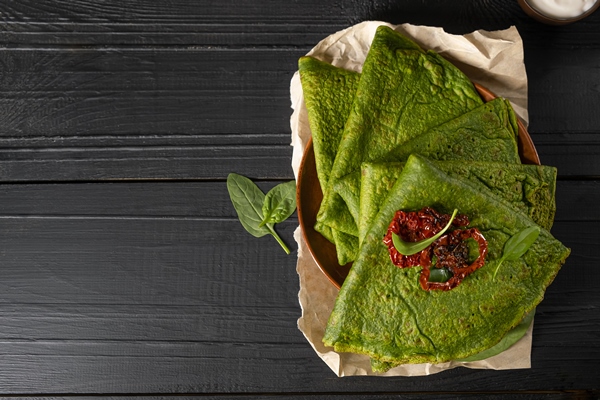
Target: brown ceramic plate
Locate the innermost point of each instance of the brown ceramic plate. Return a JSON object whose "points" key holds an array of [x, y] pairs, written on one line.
{"points": [[309, 197]]}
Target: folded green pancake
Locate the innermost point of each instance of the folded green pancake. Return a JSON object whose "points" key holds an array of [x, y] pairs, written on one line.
{"points": [[528, 188], [328, 94], [403, 91], [383, 312], [486, 133], [346, 246], [511, 338]]}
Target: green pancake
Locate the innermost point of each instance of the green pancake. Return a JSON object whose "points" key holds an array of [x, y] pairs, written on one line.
{"points": [[528, 188], [511, 338], [381, 310], [328, 93], [348, 188], [346, 246], [486, 133], [403, 91]]}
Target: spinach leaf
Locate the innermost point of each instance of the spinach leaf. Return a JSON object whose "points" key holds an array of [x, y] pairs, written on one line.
{"points": [[410, 248], [439, 275], [518, 245], [249, 202], [279, 203]]}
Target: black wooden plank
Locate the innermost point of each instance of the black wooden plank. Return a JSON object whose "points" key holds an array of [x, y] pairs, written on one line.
{"points": [[159, 199], [271, 162], [152, 261], [178, 12], [576, 200], [527, 395], [116, 114], [86, 92], [524, 395], [231, 22], [561, 96], [216, 373], [193, 199], [84, 72]]}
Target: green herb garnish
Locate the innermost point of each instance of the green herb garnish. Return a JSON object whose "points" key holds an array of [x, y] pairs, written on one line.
{"points": [[518, 245], [258, 213], [440, 275], [279, 204], [410, 248]]}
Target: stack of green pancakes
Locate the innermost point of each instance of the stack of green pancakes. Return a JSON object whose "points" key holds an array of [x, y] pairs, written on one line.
{"points": [[411, 131]]}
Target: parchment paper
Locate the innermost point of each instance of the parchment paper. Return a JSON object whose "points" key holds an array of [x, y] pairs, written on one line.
{"points": [[492, 59]]}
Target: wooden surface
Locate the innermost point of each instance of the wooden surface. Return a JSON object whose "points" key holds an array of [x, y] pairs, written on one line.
{"points": [[123, 268]]}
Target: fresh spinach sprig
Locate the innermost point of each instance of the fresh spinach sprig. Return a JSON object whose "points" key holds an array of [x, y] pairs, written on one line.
{"points": [[259, 213], [517, 245], [410, 248]]}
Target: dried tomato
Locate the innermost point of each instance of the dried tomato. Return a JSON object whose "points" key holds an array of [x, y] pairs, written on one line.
{"points": [[450, 251], [415, 226]]}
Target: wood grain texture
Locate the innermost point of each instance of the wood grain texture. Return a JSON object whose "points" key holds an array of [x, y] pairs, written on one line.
{"points": [[525, 395], [144, 304], [73, 111], [267, 22], [124, 270], [136, 285], [199, 199]]}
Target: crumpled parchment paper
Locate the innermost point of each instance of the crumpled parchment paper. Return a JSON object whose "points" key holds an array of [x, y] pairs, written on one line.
{"points": [[494, 60]]}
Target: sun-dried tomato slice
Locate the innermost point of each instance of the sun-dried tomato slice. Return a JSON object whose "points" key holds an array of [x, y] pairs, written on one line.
{"points": [[450, 251], [414, 226]]}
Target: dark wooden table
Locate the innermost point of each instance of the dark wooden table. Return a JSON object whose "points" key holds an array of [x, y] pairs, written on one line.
{"points": [[123, 268]]}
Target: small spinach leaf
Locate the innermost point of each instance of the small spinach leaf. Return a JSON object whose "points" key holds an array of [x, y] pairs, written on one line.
{"points": [[518, 245], [249, 202], [279, 203], [410, 248], [439, 275]]}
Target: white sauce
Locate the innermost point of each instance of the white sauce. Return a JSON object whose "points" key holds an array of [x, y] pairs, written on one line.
{"points": [[562, 9]]}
